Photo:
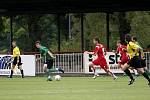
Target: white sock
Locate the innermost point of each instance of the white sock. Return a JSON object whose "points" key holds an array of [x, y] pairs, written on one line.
{"points": [[135, 71], [56, 69], [95, 72]]}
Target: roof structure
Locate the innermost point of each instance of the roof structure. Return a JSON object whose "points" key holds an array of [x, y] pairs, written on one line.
{"points": [[71, 6]]}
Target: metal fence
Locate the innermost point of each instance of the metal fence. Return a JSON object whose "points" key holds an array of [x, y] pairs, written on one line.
{"points": [[147, 55], [70, 62], [73, 62]]}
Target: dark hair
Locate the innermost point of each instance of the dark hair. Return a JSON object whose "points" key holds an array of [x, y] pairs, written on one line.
{"points": [[128, 37], [38, 42], [97, 39], [134, 38], [148, 46], [13, 40], [118, 41]]}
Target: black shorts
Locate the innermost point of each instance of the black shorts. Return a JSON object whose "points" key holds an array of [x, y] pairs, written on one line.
{"points": [[135, 62], [143, 62], [15, 61], [49, 63]]}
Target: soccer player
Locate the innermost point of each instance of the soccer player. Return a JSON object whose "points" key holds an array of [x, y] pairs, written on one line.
{"points": [[47, 58], [16, 60], [142, 56], [100, 61], [135, 60], [122, 50]]}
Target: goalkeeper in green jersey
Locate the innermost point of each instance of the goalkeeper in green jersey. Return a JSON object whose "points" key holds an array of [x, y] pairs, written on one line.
{"points": [[47, 58]]}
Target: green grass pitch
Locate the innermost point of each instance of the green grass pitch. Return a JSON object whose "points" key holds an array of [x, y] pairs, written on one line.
{"points": [[73, 88]]}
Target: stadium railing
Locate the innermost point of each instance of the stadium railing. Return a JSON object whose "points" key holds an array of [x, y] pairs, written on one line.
{"points": [[70, 62]]}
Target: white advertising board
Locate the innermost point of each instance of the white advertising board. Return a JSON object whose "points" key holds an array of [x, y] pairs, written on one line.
{"points": [[28, 65], [112, 60]]}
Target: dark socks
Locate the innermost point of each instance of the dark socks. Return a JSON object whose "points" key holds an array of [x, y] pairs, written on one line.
{"points": [[11, 73], [129, 74], [22, 73], [146, 76], [147, 71]]}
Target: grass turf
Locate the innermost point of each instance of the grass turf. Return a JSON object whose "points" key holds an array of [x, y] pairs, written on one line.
{"points": [[73, 88]]}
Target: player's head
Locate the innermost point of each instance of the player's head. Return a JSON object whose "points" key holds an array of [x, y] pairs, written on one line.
{"points": [[118, 43], [128, 38], [37, 44], [134, 39], [96, 40], [14, 43]]}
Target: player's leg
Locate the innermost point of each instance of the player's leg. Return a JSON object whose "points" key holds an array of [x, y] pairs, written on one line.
{"points": [[143, 63], [21, 70], [128, 73], [50, 67], [91, 65], [12, 71], [141, 71], [20, 67], [139, 65], [46, 70], [135, 72], [106, 69], [13, 67], [104, 65], [146, 70]]}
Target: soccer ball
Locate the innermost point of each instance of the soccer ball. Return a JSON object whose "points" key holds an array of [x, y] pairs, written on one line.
{"points": [[49, 78], [57, 77]]}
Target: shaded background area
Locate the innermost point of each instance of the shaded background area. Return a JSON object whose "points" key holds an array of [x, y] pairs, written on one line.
{"points": [[29, 28]]}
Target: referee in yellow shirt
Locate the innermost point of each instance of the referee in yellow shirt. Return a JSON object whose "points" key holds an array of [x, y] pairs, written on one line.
{"points": [[135, 60], [16, 59]]}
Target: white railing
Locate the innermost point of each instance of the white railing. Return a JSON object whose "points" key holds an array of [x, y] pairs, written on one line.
{"points": [[147, 55], [73, 63], [70, 62]]}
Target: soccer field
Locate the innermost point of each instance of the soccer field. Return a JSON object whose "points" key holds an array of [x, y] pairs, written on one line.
{"points": [[73, 88]]}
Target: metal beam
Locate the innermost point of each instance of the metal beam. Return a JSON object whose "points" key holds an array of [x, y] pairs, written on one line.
{"points": [[11, 33], [82, 33], [107, 29], [58, 26]]}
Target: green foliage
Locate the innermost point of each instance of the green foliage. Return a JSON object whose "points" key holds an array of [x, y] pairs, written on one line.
{"points": [[29, 28], [140, 23]]}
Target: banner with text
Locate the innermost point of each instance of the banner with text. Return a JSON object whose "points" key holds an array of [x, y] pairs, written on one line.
{"points": [[112, 60], [28, 65]]}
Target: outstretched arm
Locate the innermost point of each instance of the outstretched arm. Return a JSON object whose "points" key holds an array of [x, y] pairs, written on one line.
{"points": [[95, 51], [50, 53]]}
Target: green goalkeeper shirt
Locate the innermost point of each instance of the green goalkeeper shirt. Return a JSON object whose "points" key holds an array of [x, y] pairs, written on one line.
{"points": [[44, 53]]}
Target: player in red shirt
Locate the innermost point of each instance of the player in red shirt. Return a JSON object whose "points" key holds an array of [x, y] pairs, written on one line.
{"points": [[101, 61], [122, 50]]}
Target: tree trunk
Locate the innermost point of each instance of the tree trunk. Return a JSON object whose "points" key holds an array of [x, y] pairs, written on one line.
{"points": [[124, 26]]}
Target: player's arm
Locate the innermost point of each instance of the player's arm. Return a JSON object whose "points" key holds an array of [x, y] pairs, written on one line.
{"points": [[95, 51], [51, 54], [105, 51], [124, 49], [135, 47]]}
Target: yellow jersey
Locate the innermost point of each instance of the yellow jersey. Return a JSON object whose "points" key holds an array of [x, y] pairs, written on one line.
{"points": [[132, 49], [141, 50], [16, 52]]}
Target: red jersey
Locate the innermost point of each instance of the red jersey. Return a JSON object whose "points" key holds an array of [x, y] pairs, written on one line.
{"points": [[99, 50], [122, 50], [101, 58]]}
